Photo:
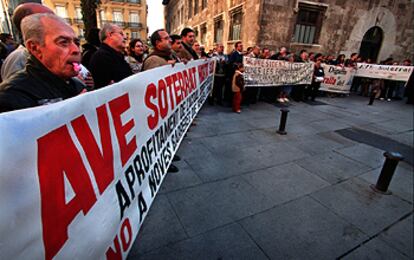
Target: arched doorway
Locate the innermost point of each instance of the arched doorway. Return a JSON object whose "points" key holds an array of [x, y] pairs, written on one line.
{"points": [[371, 43]]}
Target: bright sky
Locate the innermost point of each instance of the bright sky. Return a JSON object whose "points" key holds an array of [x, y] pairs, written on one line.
{"points": [[155, 18]]}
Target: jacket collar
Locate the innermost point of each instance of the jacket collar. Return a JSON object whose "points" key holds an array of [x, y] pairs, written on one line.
{"points": [[111, 50], [36, 69]]}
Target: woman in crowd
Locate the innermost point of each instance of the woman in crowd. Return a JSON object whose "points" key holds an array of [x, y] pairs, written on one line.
{"points": [[136, 55], [340, 60]]}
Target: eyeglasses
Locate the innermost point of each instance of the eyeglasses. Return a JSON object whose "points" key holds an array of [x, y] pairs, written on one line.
{"points": [[120, 33]]}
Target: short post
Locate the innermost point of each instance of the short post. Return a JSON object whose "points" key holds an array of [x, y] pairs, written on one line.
{"points": [[282, 123], [388, 169]]}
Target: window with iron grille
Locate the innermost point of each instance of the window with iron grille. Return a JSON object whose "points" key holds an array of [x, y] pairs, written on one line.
{"points": [[203, 29], [135, 35], [118, 16], [190, 8], [78, 12], [308, 23], [133, 17], [61, 11], [195, 7], [236, 25], [218, 30]]}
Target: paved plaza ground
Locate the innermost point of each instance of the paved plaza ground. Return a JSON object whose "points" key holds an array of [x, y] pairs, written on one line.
{"points": [[245, 192]]}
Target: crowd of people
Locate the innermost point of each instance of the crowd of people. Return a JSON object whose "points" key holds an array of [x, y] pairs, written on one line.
{"points": [[49, 65], [50, 56]]}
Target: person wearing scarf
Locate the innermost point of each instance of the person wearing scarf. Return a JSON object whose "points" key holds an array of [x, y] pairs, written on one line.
{"points": [[136, 55], [161, 55]]}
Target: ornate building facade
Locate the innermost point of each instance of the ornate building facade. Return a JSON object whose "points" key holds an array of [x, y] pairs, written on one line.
{"points": [[131, 15], [376, 29]]}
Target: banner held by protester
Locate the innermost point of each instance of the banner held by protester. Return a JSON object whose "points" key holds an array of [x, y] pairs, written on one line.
{"points": [[269, 73], [337, 79], [79, 176], [390, 72]]}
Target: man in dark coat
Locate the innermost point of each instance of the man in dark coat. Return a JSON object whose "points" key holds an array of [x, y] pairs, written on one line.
{"points": [[108, 64], [52, 64]]}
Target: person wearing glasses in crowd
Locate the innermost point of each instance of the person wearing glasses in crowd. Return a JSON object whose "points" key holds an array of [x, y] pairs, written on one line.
{"points": [[162, 54], [52, 65], [108, 64], [136, 55]]}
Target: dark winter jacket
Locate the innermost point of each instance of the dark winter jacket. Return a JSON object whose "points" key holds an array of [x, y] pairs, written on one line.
{"points": [[108, 65], [87, 53], [35, 86]]}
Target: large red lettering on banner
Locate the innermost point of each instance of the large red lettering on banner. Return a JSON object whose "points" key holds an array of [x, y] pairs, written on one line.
{"points": [[126, 239], [177, 86], [102, 164], [58, 157], [118, 106]]}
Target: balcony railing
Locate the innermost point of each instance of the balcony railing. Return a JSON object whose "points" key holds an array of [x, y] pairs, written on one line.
{"points": [[120, 24], [128, 1], [68, 20], [77, 20], [134, 25]]}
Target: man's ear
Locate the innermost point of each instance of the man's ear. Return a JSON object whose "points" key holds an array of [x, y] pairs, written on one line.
{"points": [[34, 48]]}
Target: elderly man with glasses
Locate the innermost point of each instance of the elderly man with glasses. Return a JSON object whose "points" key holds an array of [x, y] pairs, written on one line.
{"points": [[108, 64]]}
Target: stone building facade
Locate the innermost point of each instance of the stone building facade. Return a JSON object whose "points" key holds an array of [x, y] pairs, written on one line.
{"points": [[130, 15], [377, 29]]}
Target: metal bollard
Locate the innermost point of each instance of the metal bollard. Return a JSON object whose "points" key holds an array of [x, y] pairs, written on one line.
{"points": [[388, 169], [282, 123]]}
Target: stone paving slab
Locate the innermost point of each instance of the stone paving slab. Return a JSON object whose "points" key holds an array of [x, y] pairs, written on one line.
{"points": [[238, 140], [270, 136], [365, 154], [229, 242], [400, 237], [316, 145], [345, 142], [302, 229], [333, 167], [185, 178], [161, 228], [405, 137], [212, 205], [232, 161], [356, 202], [285, 182], [375, 249]]}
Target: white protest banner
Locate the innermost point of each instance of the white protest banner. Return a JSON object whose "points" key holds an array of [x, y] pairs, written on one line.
{"points": [[337, 79], [269, 73], [78, 177], [400, 73]]}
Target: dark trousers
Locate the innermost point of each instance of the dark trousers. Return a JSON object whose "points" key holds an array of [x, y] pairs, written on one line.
{"points": [[298, 92], [219, 82], [313, 89]]}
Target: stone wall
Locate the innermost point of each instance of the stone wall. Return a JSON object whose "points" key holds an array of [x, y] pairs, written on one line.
{"points": [[271, 23]]}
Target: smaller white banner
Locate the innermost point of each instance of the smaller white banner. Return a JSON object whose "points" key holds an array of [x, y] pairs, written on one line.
{"points": [[269, 73], [337, 79], [400, 73]]}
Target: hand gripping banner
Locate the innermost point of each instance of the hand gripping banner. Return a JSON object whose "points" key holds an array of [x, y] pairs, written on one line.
{"points": [[78, 177]]}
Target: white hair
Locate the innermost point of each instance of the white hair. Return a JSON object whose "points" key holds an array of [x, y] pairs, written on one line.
{"points": [[33, 27]]}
